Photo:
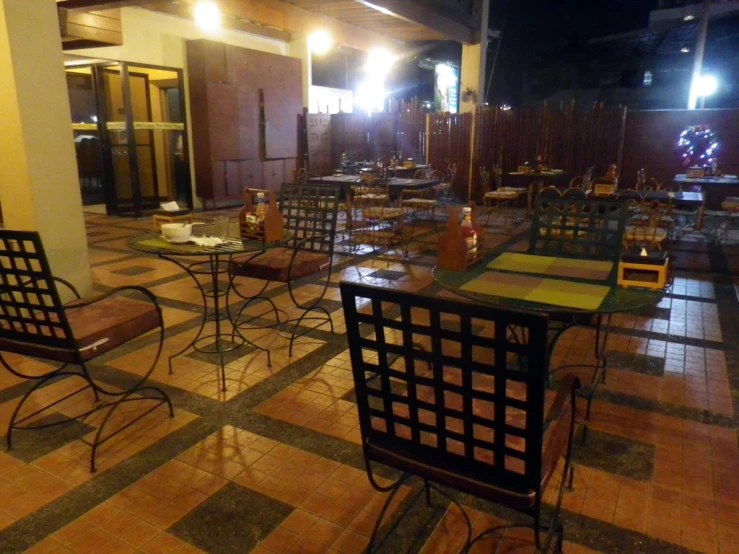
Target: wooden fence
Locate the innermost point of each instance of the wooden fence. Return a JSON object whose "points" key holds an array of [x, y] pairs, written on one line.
{"points": [[449, 141], [568, 138]]}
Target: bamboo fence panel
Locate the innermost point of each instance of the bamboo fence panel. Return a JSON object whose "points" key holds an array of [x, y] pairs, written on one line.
{"points": [[567, 137]]}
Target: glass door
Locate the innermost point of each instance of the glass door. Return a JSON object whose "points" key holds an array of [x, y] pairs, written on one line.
{"points": [[140, 134]]}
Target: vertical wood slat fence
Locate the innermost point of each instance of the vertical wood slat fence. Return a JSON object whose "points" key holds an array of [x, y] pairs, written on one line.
{"points": [[449, 141], [410, 137], [567, 136]]}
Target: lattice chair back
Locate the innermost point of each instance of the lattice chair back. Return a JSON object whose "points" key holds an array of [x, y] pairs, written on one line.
{"points": [[484, 174], [31, 310], [572, 227], [444, 390], [575, 192], [309, 213]]}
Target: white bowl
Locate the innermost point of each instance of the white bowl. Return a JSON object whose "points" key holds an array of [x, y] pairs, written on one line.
{"points": [[177, 232]]}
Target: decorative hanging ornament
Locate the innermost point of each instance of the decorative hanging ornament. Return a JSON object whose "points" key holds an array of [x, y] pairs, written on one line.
{"points": [[696, 146]]}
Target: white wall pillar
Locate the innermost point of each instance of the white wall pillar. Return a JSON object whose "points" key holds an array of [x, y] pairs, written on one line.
{"points": [[39, 188], [300, 48], [474, 59]]}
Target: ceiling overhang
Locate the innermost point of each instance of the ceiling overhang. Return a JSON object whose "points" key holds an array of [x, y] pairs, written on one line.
{"points": [[360, 24]]}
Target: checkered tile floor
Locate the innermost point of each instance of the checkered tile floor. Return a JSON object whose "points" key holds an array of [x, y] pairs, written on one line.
{"points": [[274, 464]]}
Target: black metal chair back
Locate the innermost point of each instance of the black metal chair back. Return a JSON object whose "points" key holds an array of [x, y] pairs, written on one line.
{"points": [[434, 379], [31, 310], [309, 214], [578, 228]]}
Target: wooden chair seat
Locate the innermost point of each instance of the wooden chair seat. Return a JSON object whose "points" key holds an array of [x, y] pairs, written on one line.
{"points": [[382, 213], [517, 190], [639, 233], [501, 195], [274, 265], [420, 202], [97, 327]]}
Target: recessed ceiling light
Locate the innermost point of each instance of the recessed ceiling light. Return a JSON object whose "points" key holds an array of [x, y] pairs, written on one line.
{"points": [[684, 49], [207, 16], [320, 42], [689, 17]]}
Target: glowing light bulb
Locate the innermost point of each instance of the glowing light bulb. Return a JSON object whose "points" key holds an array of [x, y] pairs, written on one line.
{"points": [[320, 42], [207, 16]]}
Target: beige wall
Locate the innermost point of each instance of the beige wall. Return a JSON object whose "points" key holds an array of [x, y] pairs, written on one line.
{"points": [[154, 38]]}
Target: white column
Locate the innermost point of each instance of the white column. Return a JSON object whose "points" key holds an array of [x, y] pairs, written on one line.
{"points": [[474, 58], [39, 188], [300, 48]]}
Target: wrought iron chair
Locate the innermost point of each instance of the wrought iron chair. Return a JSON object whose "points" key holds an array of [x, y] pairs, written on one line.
{"points": [[374, 221], [309, 215], [496, 201], [418, 203], [575, 192], [455, 425], [35, 322], [653, 225], [586, 229]]}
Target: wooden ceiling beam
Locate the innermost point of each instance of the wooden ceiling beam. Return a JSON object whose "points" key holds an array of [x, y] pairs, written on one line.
{"points": [[88, 5], [420, 14], [185, 12], [300, 22]]}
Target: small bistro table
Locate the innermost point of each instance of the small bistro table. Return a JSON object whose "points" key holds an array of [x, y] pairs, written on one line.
{"points": [[571, 291], [534, 182], [395, 185], [715, 189], [211, 261]]}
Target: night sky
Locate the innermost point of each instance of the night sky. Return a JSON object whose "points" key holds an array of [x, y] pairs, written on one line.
{"points": [[534, 31]]}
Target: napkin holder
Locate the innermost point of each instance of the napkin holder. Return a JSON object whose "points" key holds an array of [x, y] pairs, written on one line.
{"points": [[636, 270], [170, 212], [271, 229], [453, 253]]}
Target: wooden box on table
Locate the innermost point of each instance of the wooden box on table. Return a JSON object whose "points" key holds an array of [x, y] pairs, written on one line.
{"points": [[179, 216], [650, 271], [271, 228], [454, 253]]}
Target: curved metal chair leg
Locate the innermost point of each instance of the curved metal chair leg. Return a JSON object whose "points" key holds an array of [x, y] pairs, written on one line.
{"points": [[99, 440], [14, 417]]}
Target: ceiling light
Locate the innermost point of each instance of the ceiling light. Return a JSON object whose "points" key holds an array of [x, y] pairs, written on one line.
{"points": [[320, 42], [684, 49], [379, 61], [207, 16], [689, 17]]}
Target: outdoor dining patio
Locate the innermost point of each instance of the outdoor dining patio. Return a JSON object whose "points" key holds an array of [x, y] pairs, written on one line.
{"points": [[282, 440]]}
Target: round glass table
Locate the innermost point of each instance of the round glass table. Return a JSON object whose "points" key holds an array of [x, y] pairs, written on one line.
{"points": [[211, 261], [513, 289]]}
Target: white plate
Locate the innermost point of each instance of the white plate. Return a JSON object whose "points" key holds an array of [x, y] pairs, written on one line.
{"points": [[177, 241]]}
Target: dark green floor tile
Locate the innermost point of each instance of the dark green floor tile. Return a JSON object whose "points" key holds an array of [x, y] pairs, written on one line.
{"points": [[232, 521], [32, 444], [614, 454], [640, 363]]}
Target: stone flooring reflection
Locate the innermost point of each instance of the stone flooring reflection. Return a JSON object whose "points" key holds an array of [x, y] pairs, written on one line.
{"points": [[274, 464]]}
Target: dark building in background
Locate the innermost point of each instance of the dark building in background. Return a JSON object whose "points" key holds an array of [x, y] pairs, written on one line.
{"points": [[649, 67]]}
